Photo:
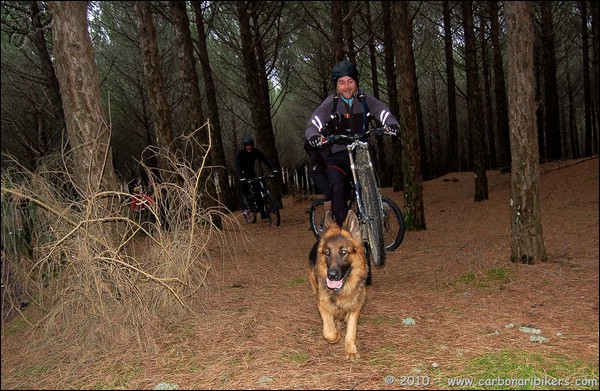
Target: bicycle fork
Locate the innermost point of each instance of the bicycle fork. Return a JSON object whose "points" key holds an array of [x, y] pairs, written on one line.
{"points": [[357, 192]]}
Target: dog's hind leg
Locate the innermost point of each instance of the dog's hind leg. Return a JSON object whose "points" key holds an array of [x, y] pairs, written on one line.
{"points": [[350, 341]]}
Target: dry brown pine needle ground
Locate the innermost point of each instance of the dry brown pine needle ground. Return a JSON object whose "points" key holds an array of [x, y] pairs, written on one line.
{"points": [[261, 329]]}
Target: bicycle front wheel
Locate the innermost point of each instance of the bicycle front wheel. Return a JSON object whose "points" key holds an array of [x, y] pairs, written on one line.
{"points": [[393, 224], [248, 211], [272, 210], [317, 218], [372, 205]]}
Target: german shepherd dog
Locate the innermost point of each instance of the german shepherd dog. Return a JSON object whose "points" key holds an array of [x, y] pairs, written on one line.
{"points": [[338, 273]]}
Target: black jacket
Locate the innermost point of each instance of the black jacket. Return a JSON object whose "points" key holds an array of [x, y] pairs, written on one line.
{"points": [[245, 162]]}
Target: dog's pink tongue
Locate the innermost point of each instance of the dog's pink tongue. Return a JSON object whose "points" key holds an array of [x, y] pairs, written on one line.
{"points": [[334, 284]]}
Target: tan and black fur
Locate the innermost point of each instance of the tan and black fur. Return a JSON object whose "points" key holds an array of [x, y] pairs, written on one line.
{"points": [[338, 272]]}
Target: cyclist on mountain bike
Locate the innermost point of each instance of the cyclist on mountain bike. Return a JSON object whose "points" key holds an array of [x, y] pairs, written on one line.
{"points": [[245, 161], [348, 109]]}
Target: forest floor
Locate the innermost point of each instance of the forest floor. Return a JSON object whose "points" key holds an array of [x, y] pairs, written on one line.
{"points": [[261, 328]]}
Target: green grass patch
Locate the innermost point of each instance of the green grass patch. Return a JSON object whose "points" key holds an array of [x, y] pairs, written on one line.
{"points": [[121, 379], [491, 279], [295, 356], [34, 371], [520, 370], [17, 326], [296, 282]]}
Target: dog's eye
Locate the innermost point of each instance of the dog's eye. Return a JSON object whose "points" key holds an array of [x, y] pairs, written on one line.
{"points": [[327, 251], [344, 251]]}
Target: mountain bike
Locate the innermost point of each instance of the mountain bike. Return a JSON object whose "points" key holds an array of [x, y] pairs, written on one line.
{"points": [[250, 205], [393, 220], [371, 209]]}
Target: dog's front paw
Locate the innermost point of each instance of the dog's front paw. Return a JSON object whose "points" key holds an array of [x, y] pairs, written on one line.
{"points": [[352, 356], [332, 337]]}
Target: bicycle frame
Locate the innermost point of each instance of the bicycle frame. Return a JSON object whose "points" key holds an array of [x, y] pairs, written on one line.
{"points": [[369, 201], [355, 182], [269, 203]]}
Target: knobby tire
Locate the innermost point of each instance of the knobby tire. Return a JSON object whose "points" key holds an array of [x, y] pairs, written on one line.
{"points": [[371, 197]]}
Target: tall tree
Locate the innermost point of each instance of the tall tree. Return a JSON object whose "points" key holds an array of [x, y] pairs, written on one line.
{"points": [[474, 105], [527, 239], [587, 85], [552, 148], [411, 153], [383, 170], [502, 131], [159, 105], [491, 155], [189, 80], [77, 73], [52, 134], [337, 28], [256, 79], [392, 90], [217, 154], [451, 88], [199, 134], [27, 19], [595, 71]]}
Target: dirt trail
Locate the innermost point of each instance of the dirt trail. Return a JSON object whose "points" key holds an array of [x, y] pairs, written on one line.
{"points": [[261, 329]]}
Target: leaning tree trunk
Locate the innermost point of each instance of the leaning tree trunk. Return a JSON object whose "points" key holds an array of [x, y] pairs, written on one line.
{"points": [[527, 239]]}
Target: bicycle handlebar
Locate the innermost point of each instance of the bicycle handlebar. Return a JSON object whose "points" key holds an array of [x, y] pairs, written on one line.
{"points": [[350, 137], [260, 178]]}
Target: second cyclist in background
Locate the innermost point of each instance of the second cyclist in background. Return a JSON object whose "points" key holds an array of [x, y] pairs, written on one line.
{"points": [[245, 162], [348, 109]]}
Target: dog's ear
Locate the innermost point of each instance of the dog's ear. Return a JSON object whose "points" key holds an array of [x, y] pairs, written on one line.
{"points": [[351, 225], [329, 220]]}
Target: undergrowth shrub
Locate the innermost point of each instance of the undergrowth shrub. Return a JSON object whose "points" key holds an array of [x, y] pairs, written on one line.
{"points": [[95, 271]]}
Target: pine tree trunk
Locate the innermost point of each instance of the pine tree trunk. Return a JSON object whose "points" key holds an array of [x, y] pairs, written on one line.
{"points": [[527, 239]]}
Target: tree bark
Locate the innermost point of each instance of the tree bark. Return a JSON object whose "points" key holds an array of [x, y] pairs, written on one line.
{"points": [[552, 146], [87, 125], [392, 91], [587, 93], [502, 130], [451, 83], [527, 239], [217, 153], [257, 84], [77, 73], [50, 136], [155, 84], [411, 159], [474, 105]]}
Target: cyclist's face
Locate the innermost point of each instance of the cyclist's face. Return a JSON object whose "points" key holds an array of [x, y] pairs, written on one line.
{"points": [[249, 147], [346, 86]]}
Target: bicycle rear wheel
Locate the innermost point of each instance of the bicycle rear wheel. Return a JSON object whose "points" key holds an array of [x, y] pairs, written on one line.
{"points": [[272, 210], [372, 205], [393, 224], [317, 217]]}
